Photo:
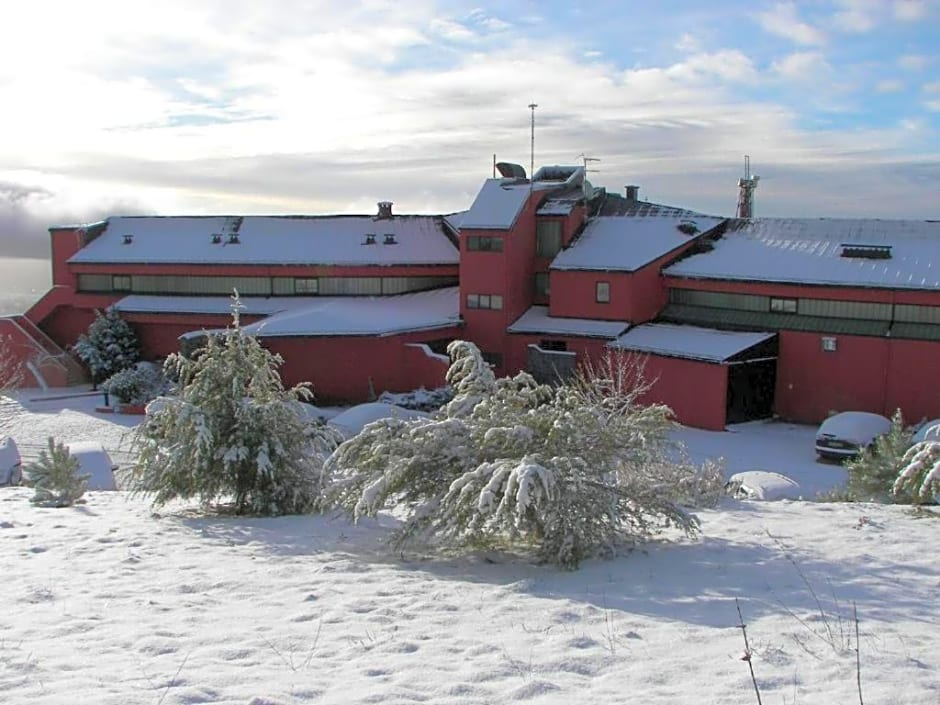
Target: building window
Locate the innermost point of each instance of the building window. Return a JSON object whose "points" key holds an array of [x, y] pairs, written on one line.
{"points": [[548, 238], [829, 343], [490, 301], [121, 282], [553, 345], [602, 293], [783, 305], [481, 243], [541, 284], [305, 286]]}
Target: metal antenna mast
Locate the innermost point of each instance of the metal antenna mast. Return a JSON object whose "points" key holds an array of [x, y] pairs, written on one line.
{"points": [[746, 187], [532, 107]]}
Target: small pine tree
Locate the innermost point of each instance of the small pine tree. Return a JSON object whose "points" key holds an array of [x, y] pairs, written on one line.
{"points": [[233, 433], [873, 471], [109, 346], [54, 477]]}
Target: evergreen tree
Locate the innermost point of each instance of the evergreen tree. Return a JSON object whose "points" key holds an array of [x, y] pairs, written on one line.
{"points": [[109, 346], [233, 433], [54, 477], [873, 471], [919, 478], [569, 472]]}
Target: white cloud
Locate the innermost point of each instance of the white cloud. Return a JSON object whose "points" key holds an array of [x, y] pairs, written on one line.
{"points": [[890, 85], [452, 30], [933, 105], [931, 87], [857, 16], [242, 107], [802, 66], [910, 10], [913, 62], [784, 21], [688, 43]]}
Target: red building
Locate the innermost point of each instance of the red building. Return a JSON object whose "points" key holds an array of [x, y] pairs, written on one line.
{"points": [[733, 319]]}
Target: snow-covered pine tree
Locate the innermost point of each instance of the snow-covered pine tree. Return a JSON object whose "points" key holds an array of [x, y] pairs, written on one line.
{"points": [[919, 478], [54, 477], [109, 346], [568, 472], [873, 471], [233, 432]]}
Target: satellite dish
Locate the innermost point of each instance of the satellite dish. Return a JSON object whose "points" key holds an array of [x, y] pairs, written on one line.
{"points": [[510, 171]]}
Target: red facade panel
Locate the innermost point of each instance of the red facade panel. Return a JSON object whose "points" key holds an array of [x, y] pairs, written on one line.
{"points": [[697, 392], [812, 382]]}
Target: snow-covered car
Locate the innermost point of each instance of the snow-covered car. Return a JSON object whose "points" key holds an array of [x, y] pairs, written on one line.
{"points": [[352, 421], [929, 431], [94, 461], [844, 435], [762, 485], [11, 465]]}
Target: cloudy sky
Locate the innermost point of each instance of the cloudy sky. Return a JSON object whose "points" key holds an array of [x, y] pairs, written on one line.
{"points": [[321, 106]]}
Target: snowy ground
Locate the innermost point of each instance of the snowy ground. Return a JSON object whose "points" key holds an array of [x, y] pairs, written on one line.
{"points": [[109, 602]]}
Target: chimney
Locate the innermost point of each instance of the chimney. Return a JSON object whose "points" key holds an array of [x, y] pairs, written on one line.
{"points": [[385, 210], [633, 193]]}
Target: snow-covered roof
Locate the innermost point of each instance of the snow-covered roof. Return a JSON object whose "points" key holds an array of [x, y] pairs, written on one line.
{"points": [[809, 251], [690, 342], [364, 315], [537, 320], [497, 206], [323, 240], [627, 242]]}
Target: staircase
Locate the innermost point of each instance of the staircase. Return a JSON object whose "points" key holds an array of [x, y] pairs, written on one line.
{"points": [[46, 352]]}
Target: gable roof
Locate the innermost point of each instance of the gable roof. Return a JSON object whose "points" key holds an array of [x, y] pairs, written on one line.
{"points": [[628, 242], [323, 240], [497, 205], [810, 251]]}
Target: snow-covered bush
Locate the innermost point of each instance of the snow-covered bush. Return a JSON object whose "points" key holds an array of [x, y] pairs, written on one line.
{"points": [[232, 433], [137, 385], [109, 346], [568, 472], [919, 478], [873, 471], [54, 477]]}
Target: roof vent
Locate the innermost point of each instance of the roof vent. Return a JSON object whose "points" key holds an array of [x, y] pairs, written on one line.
{"points": [[385, 210], [128, 239], [233, 239], [390, 239], [858, 251], [687, 227], [216, 238], [370, 239]]}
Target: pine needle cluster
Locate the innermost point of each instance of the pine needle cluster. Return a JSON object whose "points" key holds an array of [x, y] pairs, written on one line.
{"points": [[54, 477]]}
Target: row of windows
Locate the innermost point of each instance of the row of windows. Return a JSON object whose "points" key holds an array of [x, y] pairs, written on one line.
{"points": [[183, 285], [823, 308], [490, 301], [547, 240], [483, 243]]}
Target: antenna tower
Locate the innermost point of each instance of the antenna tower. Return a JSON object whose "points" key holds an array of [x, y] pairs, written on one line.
{"points": [[746, 188], [532, 107]]}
